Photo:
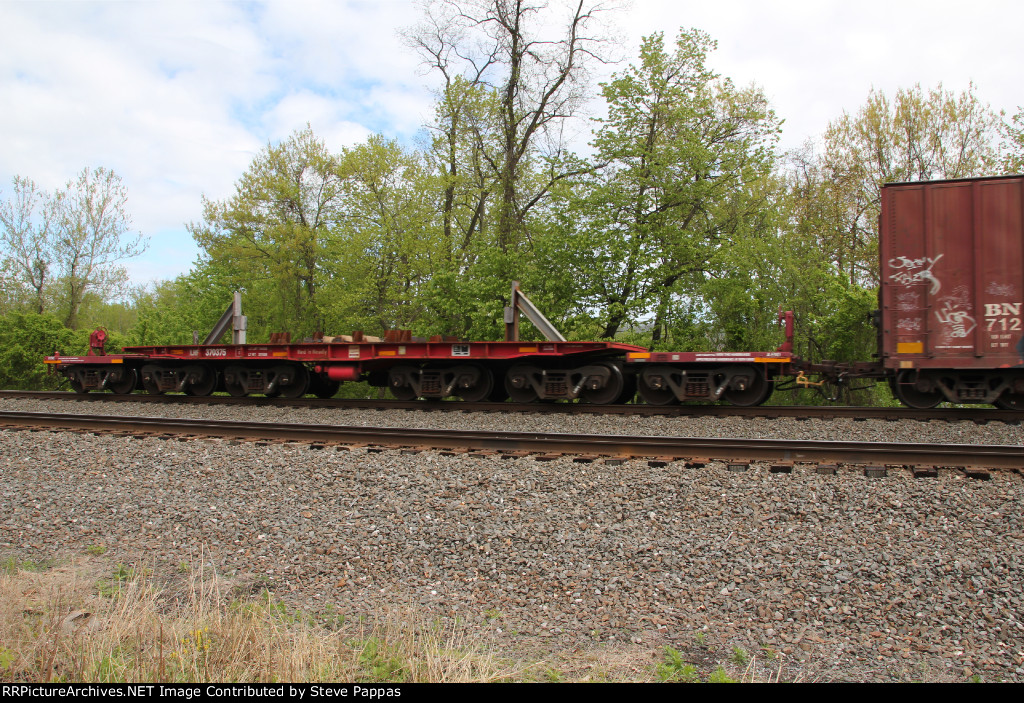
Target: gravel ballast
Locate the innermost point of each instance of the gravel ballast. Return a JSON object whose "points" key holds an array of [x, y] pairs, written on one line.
{"points": [[838, 577]]}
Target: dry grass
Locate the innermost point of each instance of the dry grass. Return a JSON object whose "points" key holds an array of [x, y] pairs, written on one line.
{"points": [[93, 621], [79, 623]]}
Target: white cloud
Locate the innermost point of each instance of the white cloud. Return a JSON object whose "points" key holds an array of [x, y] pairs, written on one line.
{"points": [[326, 116]]}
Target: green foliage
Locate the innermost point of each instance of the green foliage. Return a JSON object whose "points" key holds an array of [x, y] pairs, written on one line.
{"points": [[12, 566], [380, 662], [386, 248], [171, 311], [841, 329], [686, 155], [58, 249], [111, 587], [273, 236], [1013, 143], [674, 668], [25, 339], [720, 675], [7, 659]]}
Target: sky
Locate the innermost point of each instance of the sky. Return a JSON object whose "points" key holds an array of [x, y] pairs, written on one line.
{"points": [[178, 96]]}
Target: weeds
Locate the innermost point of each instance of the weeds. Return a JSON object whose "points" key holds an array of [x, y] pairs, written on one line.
{"points": [[12, 566], [111, 587], [720, 675], [675, 669], [380, 663]]}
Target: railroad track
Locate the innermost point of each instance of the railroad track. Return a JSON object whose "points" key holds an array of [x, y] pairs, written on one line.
{"points": [[971, 414], [873, 456]]}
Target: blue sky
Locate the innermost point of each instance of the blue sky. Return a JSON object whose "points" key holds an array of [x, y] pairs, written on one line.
{"points": [[178, 96]]}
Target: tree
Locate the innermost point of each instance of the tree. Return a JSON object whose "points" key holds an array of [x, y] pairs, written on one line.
{"points": [[386, 246], [536, 78], [92, 237], [916, 136], [685, 153], [27, 237], [70, 243], [1013, 143], [25, 338], [275, 233]]}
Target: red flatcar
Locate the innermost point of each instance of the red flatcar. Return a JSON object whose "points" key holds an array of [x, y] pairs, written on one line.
{"points": [[595, 372]]}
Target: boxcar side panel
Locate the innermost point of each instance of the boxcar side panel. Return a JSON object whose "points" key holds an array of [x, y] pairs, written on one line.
{"points": [[952, 269]]}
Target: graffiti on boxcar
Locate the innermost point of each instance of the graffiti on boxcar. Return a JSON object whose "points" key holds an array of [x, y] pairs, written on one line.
{"points": [[1003, 290], [955, 313], [908, 300], [910, 271], [909, 324]]}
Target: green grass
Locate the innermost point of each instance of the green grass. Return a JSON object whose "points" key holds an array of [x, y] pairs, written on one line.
{"points": [[12, 566]]}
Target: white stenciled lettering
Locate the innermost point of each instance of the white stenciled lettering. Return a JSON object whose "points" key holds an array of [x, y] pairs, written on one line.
{"points": [[1002, 309], [1002, 317]]}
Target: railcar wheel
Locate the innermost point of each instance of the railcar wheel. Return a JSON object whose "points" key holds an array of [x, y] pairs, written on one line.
{"points": [[234, 382], [657, 396], [298, 381], [612, 390], [518, 387], [660, 393], [481, 391], [206, 384], [76, 385], [1010, 401], [403, 393], [149, 381], [911, 396], [756, 392], [323, 387], [628, 393], [129, 379], [397, 383]]}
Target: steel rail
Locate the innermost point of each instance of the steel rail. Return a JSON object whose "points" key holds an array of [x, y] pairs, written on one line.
{"points": [[867, 453], [969, 414]]}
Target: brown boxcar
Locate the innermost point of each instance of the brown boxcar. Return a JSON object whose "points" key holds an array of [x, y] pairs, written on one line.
{"points": [[952, 290]]}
